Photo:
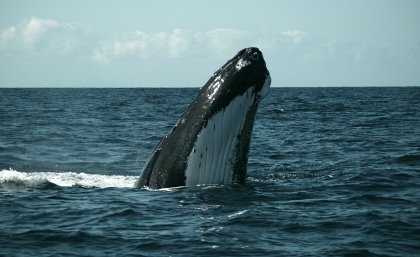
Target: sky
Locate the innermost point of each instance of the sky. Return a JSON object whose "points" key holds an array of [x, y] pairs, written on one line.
{"points": [[168, 43]]}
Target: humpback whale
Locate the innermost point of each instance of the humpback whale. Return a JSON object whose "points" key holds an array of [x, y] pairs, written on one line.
{"points": [[210, 142]]}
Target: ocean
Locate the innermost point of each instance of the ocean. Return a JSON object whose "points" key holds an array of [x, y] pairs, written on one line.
{"points": [[332, 172]]}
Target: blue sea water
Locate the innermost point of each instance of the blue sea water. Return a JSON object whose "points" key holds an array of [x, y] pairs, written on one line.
{"points": [[332, 172]]}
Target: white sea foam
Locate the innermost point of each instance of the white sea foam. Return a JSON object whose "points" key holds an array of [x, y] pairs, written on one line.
{"points": [[67, 179]]}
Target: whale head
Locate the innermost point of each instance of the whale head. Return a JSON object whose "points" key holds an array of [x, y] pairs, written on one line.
{"points": [[246, 70], [210, 142]]}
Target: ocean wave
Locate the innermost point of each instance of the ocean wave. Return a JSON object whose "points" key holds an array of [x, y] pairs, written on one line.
{"points": [[411, 158], [12, 179]]}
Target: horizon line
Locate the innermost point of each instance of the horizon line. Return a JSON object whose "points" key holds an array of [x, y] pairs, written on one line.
{"points": [[184, 87]]}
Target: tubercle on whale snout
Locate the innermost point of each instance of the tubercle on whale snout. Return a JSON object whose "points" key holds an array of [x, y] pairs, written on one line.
{"points": [[245, 57]]}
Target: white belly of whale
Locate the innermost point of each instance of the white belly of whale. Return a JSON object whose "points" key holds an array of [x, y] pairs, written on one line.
{"points": [[211, 159]]}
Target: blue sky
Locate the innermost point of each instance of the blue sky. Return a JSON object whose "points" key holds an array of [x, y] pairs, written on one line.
{"points": [[161, 43]]}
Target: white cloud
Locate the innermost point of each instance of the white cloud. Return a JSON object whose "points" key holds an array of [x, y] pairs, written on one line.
{"points": [[35, 27], [295, 35], [142, 45], [48, 37], [177, 43], [37, 37], [7, 35], [41, 36]]}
